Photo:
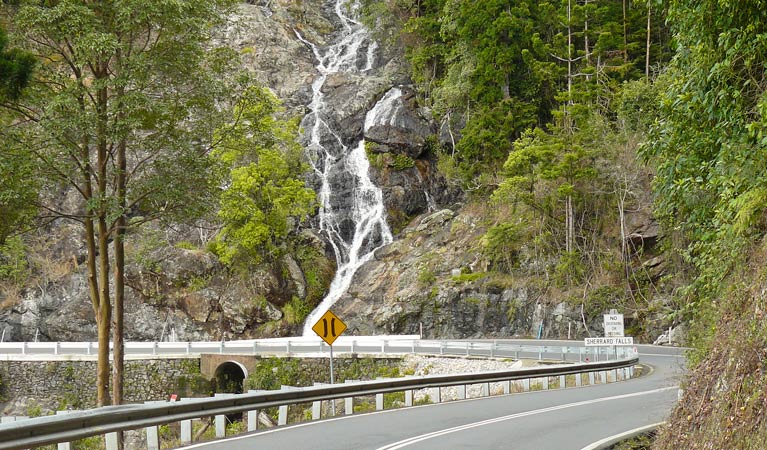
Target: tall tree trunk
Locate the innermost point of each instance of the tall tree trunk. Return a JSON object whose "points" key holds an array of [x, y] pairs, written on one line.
{"points": [[569, 57], [105, 306], [569, 224], [104, 317], [119, 280], [102, 370], [118, 364], [625, 34], [586, 36], [647, 50]]}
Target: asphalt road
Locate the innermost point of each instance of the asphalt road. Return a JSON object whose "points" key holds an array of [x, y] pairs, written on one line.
{"points": [[558, 419]]}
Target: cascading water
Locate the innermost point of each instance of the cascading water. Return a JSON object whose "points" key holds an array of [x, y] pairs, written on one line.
{"points": [[352, 214]]}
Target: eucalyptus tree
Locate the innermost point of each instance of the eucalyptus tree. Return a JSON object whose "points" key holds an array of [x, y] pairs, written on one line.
{"points": [[123, 112]]}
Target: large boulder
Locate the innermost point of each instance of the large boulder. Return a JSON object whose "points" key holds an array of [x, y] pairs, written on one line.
{"points": [[397, 122]]}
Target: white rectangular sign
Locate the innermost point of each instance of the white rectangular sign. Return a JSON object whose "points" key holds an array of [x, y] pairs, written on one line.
{"points": [[604, 341], [613, 325]]}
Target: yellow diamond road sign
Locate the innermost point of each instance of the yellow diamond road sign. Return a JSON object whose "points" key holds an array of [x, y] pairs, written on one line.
{"points": [[329, 327]]}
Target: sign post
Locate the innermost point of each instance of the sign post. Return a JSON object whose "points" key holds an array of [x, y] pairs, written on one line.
{"points": [[329, 327], [613, 325]]}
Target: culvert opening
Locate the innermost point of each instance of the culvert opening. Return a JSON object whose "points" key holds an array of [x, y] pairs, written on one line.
{"points": [[230, 377]]}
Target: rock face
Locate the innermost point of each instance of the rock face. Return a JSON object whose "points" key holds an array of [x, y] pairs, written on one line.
{"points": [[401, 139], [172, 293], [432, 280], [266, 38]]}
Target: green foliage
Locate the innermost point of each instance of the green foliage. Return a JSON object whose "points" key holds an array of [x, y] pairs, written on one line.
{"points": [[426, 276], [296, 310], [569, 270], [709, 147], [402, 162], [318, 271], [16, 68], [468, 277], [501, 245], [271, 373], [19, 185], [13, 261], [186, 245], [266, 196]]}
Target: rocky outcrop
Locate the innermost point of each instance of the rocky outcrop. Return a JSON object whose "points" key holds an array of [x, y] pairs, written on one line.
{"points": [[401, 146], [433, 280]]}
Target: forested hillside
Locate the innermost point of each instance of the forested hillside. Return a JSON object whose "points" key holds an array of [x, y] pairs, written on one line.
{"points": [[542, 107], [560, 108]]}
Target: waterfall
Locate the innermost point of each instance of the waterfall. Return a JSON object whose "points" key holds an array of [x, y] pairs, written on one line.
{"points": [[351, 214]]}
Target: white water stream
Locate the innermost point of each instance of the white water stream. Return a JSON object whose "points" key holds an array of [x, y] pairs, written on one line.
{"points": [[352, 213]]}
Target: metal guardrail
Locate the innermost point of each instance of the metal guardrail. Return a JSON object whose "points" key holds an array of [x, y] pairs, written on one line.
{"points": [[293, 346], [106, 420]]}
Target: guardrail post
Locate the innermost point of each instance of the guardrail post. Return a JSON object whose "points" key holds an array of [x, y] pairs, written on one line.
{"points": [[578, 380], [437, 395], [441, 347], [485, 390], [188, 347], [545, 383], [352, 349], [56, 348], [152, 434], [221, 347], [631, 371], [186, 431], [23, 348], [154, 348], [220, 419], [89, 348], [349, 401], [152, 438], [287, 347], [409, 398], [540, 354], [110, 441], [564, 353], [63, 445], [615, 374], [379, 402], [526, 385], [461, 393], [253, 414], [591, 378], [562, 382], [282, 415], [507, 387], [383, 346], [492, 348], [412, 347], [603, 377], [516, 354], [468, 346]]}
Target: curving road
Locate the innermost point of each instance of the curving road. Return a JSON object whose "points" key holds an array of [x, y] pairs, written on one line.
{"points": [[558, 419]]}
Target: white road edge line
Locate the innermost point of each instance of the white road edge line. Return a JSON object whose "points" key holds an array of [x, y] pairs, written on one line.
{"points": [[619, 437], [423, 437]]}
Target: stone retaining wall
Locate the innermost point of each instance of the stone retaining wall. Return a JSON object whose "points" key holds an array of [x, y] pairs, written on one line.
{"points": [[70, 383]]}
